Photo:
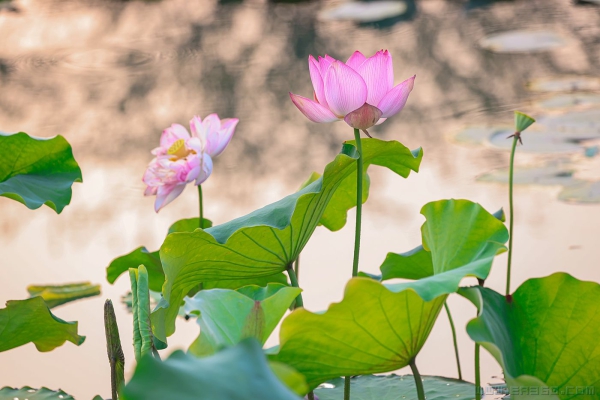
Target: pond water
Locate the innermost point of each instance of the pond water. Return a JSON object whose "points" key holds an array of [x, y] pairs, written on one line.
{"points": [[109, 76]]}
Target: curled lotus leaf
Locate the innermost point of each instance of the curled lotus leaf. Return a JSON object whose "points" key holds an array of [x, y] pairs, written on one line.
{"points": [[545, 336]]}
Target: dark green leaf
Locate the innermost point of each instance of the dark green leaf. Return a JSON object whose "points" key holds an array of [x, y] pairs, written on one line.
{"points": [[266, 241], [27, 393], [56, 295], [26, 321], [229, 316], [36, 171], [545, 337], [371, 330], [235, 373], [460, 239], [394, 387]]}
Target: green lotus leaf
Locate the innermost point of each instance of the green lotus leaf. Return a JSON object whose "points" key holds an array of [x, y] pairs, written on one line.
{"points": [[56, 295], [151, 260], [37, 171], [26, 321], [394, 387], [228, 316], [28, 393], [288, 375], [372, 330], [235, 373], [268, 240], [545, 336], [460, 238]]}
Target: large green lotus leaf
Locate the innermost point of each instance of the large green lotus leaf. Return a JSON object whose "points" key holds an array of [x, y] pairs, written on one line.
{"points": [[151, 260], [545, 336], [460, 239], [372, 330], [28, 393], [235, 373], [25, 321], [36, 171], [228, 316], [56, 295], [394, 387], [268, 240], [156, 276]]}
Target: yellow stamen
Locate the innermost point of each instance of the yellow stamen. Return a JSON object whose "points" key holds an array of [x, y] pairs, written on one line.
{"points": [[178, 149]]}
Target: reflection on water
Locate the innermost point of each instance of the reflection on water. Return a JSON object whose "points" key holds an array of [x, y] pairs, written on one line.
{"points": [[109, 76]]}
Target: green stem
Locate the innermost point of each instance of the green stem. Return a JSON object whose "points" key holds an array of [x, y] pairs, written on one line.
{"points": [[297, 267], [512, 211], [359, 183], [311, 395], [418, 380], [200, 206], [294, 281], [347, 388], [454, 340], [477, 374]]}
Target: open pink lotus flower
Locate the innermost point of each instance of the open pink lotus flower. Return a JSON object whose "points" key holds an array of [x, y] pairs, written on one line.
{"points": [[361, 91], [183, 158]]}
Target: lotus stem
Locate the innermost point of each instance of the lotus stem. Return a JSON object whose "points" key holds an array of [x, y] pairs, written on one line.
{"points": [[201, 214], [294, 282], [511, 210], [116, 358], [297, 267], [454, 340], [418, 380], [477, 374], [347, 388], [359, 184], [311, 395]]}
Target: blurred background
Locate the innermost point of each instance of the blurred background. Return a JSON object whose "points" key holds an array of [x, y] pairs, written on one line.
{"points": [[111, 75]]}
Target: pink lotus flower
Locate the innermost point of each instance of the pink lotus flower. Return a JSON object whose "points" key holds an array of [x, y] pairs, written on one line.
{"points": [[182, 159], [361, 91]]}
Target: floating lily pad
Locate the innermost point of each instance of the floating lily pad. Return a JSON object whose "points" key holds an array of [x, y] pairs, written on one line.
{"points": [[523, 41], [565, 84], [547, 175], [56, 295], [585, 123], [581, 192], [548, 140], [480, 134], [562, 101], [27, 393], [394, 387], [364, 11]]}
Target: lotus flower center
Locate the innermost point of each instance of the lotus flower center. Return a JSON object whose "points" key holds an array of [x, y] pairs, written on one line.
{"points": [[178, 150]]}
